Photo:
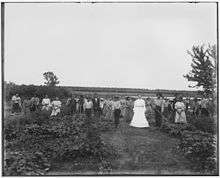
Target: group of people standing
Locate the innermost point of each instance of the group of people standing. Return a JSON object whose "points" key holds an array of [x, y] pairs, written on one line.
{"points": [[87, 105], [175, 110], [73, 105], [133, 111], [33, 104]]}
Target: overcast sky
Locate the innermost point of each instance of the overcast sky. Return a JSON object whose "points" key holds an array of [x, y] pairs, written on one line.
{"points": [[106, 45]]}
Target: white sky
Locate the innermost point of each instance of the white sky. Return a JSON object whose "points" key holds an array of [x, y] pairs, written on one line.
{"points": [[106, 45]]}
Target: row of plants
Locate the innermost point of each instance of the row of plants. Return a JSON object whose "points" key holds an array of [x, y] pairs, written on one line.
{"points": [[203, 123], [31, 148], [200, 148], [176, 130], [197, 146]]}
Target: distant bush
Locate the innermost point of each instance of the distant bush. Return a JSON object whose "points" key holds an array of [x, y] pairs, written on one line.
{"points": [[27, 91], [199, 148]]}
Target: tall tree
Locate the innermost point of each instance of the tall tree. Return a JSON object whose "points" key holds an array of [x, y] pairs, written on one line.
{"points": [[203, 68], [51, 79]]}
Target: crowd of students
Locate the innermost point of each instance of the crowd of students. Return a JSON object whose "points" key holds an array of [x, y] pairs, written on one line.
{"points": [[173, 109]]}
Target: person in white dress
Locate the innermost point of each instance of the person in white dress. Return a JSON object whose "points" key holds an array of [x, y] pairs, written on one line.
{"points": [[139, 119]]}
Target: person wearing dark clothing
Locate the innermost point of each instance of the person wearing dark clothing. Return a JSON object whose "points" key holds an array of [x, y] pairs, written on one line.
{"points": [[72, 105], [204, 107], [170, 111], [159, 107], [81, 102], [116, 105], [187, 105], [96, 106], [34, 103]]}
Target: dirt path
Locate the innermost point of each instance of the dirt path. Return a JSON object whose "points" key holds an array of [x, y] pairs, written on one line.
{"points": [[145, 151], [140, 151]]}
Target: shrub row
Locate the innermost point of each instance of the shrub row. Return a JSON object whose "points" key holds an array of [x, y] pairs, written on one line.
{"points": [[203, 123], [176, 130], [197, 146], [68, 137], [25, 163]]}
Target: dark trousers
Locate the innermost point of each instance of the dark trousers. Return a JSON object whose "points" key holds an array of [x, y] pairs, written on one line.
{"points": [[97, 112], [72, 108], [88, 113], [16, 108], [158, 116], [204, 112], [33, 108], [117, 113]]}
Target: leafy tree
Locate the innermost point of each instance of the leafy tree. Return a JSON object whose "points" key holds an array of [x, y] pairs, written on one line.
{"points": [[51, 79], [212, 52], [203, 71]]}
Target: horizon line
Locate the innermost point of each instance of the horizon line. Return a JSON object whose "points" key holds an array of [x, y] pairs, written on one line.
{"points": [[72, 86]]}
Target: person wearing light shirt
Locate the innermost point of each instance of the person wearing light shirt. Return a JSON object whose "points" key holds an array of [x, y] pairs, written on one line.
{"points": [[56, 105], [16, 104], [46, 103], [180, 116], [204, 107], [88, 105]]}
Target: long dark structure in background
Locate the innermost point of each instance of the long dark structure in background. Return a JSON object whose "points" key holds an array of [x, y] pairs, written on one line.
{"points": [[130, 91]]}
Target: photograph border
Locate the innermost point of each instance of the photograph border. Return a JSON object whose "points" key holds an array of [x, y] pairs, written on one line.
{"points": [[104, 2]]}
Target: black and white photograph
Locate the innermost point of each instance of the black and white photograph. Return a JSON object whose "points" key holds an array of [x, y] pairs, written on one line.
{"points": [[109, 88]]}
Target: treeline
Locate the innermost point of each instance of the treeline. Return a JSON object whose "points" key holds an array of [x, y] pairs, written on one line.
{"points": [[27, 91]]}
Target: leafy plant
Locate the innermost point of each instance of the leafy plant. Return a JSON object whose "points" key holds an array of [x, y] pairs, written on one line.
{"points": [[199, 148], [205, 124], [60, 138], [176, 129], [21, 163]]}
